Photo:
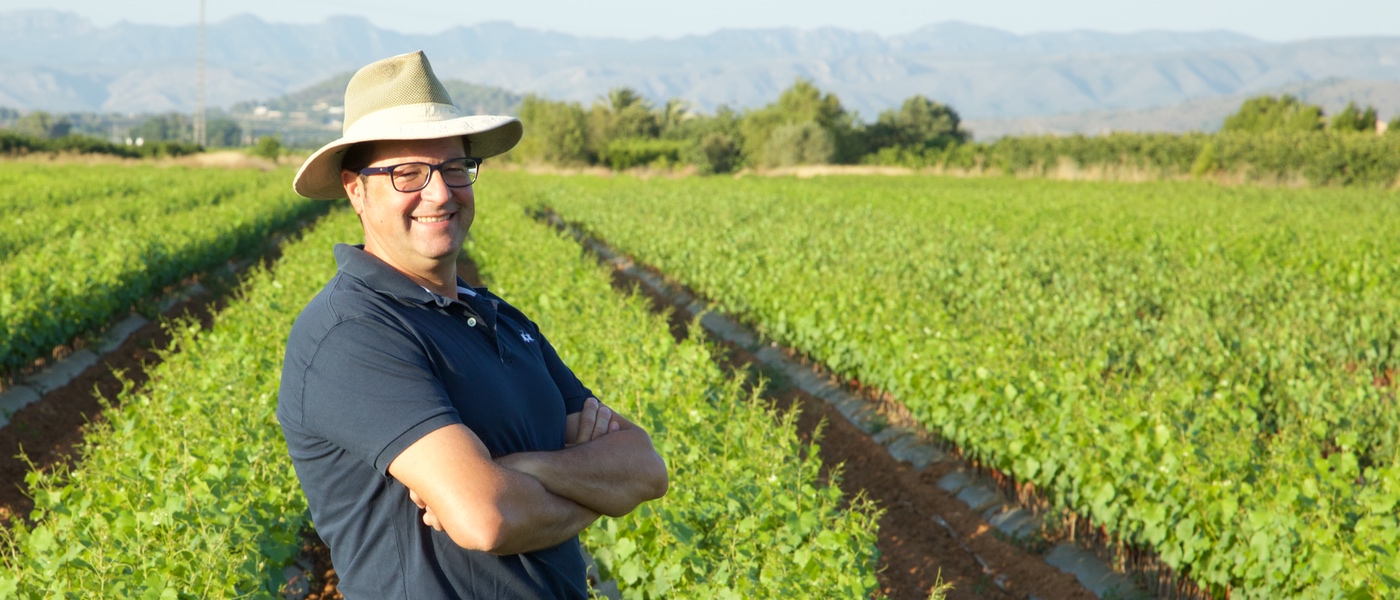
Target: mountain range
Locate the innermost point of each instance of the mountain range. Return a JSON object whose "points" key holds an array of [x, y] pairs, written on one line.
{"points": [[60, 62]]}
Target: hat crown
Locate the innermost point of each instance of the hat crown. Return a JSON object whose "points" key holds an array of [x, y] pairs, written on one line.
{"points": [[403, 80]]}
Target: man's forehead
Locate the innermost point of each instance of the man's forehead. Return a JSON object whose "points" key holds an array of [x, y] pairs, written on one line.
{"points": [[384, 150]]}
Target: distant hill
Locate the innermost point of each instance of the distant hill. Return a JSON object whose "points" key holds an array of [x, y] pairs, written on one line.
{"points": [[1206, 114], [470, 97], [60, 62], [312, 116]]}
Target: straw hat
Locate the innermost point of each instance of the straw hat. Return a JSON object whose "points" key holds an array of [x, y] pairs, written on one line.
{"points": [[399, 98]]}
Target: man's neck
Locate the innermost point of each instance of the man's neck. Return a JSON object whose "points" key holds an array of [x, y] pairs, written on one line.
{"points": [[439, 278], [445, 285]]}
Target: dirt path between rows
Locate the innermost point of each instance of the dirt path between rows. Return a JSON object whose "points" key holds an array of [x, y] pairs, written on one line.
{"points": [[916, 553], [48, 432]]}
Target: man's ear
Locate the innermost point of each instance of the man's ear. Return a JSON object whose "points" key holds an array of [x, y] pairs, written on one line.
{"points": [[354, 189]]}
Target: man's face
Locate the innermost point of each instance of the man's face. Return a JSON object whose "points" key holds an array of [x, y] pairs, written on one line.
{"points": [[419, 233]]}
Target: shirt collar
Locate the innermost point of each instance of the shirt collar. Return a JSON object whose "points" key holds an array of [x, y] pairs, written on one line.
{"points": [[380, 277]]}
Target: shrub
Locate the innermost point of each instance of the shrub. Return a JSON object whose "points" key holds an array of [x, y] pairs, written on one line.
{"points": [[806, 143], [269, 147], [626, 153]]}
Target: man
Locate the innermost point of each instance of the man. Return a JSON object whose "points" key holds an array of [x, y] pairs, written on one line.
{"points": [[444, 448]]}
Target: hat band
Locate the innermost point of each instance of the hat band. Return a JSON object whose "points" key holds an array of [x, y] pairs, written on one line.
{"points": [[412, 120]]}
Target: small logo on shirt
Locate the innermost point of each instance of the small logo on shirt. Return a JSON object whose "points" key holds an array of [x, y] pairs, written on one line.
{"points": [[527, 337]]}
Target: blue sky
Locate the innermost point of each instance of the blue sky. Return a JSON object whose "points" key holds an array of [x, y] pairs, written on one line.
{"points": [[1275, 20]]}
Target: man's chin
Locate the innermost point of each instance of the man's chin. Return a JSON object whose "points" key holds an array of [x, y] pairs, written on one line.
{"points": [[450, 252]]}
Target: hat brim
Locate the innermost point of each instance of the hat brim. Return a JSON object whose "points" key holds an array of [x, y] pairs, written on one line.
{"points": [[486, 136]]}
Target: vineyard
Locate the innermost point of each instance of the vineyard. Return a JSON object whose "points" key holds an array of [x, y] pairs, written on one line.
{"points": [[1206, 376], [81, 245], [1205, 373], [184, 488]]}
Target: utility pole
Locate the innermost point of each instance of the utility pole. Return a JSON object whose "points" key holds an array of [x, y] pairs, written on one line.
{"points": [[199, 130]]}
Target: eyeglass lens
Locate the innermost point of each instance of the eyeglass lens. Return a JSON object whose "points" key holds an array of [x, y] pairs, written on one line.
{"points": [[411, 177]]}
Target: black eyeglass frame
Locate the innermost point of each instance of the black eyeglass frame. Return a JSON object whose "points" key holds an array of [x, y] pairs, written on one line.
{"points": [[474, 167]]}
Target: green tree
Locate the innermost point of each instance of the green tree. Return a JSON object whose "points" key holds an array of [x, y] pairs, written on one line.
{"points": [[555, 132], [1354, 119], [1206, 162], [1269, 114], [223, 133], [805, 143], [918, 124], [172, 127], [672, 116], [269, 147], [714, 141], [802, 103], [719, 153], [37, 123], [622, 114], [62, 127]]}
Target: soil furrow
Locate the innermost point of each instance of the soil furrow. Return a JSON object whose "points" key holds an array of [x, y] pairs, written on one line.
{"points": [[916, 551]]}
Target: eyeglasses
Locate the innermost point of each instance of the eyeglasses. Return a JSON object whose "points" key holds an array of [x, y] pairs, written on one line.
{"points": [[414, 176]]}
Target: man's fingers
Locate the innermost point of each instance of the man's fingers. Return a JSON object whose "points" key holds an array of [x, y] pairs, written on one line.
{"points": [[594, 421], [587, 420], [431, 519], [602, 422]]}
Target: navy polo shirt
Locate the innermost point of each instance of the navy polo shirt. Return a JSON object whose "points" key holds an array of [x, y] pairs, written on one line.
{"points": [[374, 363]]}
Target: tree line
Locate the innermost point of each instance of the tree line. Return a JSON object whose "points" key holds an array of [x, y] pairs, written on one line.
{"points": [[803, 126], [1267, 138], [220, 131]]}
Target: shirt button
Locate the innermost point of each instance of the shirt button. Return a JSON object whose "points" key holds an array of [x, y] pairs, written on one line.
{"points": [[471, 322]]}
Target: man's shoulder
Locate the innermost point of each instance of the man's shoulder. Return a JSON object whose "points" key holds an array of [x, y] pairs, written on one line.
{"points": [[345, 298], [340, 305]]}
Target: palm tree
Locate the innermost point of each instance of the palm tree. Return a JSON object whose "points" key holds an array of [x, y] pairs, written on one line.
{"points": [[671, 115]]}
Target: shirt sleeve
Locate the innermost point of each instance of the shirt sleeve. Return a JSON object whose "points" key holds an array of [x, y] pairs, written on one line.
{"points": [[569, 385], [370, 389]]}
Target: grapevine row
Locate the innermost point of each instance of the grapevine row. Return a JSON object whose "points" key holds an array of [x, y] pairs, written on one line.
{"points": [[746, 515], [80, 246], [1206, 372], [185, 489]]}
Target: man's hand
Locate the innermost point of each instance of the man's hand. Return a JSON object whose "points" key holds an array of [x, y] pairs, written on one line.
{"points": [[594, 421], [610, 466], [429, 517]]}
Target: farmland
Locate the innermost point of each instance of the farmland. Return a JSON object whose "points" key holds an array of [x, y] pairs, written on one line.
{"points": [[1205, 372], [185, 490], [81, 245]]}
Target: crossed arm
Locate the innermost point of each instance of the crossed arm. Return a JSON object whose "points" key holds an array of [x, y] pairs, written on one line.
{"points": [[531, 500]]}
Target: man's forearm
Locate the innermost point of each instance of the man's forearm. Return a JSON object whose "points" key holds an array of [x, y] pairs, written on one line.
{"points": [[543, 520], [611, 474], [480, 504]]}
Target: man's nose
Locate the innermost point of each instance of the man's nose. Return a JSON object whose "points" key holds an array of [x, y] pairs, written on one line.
{"points": [[436, 190]]}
